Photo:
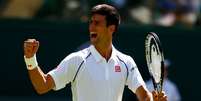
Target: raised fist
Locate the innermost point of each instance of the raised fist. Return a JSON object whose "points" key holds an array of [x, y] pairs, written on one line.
{"points": [[30, 47]]}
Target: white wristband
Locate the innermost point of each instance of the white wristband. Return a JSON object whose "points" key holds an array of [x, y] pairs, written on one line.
{"points": [[31, 63]]}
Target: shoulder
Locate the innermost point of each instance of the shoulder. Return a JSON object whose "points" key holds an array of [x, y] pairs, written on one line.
{"points": [[121, 55], [124, 57], [78, 56]]}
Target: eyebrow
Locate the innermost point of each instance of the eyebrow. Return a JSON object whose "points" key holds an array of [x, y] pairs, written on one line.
{"points": [[93, 20]]}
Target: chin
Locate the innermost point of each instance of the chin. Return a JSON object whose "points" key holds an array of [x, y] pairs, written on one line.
{"points": [[93, 42]]}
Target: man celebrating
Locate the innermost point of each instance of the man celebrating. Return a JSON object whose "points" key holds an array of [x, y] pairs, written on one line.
{"points": [[96, 73]]}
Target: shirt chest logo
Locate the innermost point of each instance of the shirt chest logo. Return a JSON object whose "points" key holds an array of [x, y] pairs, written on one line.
{"points": [[117, 68]]}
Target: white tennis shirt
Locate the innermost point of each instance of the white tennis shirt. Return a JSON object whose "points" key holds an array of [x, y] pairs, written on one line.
{"points": [[95, 79]]}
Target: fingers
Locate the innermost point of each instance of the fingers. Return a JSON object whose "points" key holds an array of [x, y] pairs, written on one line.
{"points": [[162, 96], [159, 96], [30, 47], [155, 95]]}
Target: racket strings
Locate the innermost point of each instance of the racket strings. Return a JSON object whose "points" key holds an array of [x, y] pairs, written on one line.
{"points": [[154, 57]]}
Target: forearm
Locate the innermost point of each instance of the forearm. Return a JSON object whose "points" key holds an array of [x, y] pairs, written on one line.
{"points": [[143, 94], [149, 97], [39, 80], [146, 97]]}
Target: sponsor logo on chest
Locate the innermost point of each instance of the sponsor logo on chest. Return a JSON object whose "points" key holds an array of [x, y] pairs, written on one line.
{"points": [[117, 68]]}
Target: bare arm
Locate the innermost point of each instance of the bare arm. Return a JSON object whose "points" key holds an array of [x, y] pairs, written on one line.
{"points": [[143, 94], [41, 82]]}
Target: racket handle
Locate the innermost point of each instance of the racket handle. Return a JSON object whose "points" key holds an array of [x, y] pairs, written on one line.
{"points": [[158, 88]]}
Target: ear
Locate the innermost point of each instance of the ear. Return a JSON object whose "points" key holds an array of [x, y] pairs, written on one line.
{"points": [[112, 28]]}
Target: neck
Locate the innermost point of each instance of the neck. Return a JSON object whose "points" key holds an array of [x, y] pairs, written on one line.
{"points": [[105, 51]]}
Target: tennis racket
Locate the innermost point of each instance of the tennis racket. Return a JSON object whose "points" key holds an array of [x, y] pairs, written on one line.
{"points": [[155, 60]]}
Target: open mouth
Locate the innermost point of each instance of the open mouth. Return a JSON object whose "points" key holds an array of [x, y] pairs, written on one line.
{"points": [[93, 35]]}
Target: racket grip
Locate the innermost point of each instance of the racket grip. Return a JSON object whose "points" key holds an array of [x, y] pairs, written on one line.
{"points": [[159, 88]]}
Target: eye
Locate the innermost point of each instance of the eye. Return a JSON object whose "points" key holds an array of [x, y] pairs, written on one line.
{"points": [[95, 22]]}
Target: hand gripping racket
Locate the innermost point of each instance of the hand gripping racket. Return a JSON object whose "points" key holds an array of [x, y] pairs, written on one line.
{"points": [[155, 60]]}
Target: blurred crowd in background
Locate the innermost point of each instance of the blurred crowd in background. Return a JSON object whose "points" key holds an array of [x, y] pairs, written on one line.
{"points": [[146, 12]]}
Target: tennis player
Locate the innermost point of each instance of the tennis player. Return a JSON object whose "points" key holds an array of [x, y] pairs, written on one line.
{"points": [[97, 73]]}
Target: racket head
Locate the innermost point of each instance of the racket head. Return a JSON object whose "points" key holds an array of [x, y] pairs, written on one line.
{"points": [[155, 59]]}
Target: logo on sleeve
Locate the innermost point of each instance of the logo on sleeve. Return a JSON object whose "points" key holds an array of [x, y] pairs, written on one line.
{"points": [[117, 68], [132, 69]]}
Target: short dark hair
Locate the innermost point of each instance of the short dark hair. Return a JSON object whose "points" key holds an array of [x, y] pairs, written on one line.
{"points": [[111, 13]]}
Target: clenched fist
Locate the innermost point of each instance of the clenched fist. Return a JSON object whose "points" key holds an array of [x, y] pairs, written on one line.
{"points": [[30, 47]]}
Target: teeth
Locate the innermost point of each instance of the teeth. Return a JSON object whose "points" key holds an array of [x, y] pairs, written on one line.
{"points": [[93, 33]]}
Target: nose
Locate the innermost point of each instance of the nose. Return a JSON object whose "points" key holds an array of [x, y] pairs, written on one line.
{"points": [[91, 27]]}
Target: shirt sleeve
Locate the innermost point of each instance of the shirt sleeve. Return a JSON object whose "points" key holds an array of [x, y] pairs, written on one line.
{"points": [[65, 71], [134, 79]]}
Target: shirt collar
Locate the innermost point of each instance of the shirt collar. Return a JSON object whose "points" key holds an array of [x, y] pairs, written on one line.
{"points": [[98, 56]]}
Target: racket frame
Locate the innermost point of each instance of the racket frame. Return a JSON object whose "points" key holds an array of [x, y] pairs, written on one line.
{"points": [[157, 85]]}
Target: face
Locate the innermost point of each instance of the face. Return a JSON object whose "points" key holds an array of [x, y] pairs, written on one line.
{"points": [[100, 33]]}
